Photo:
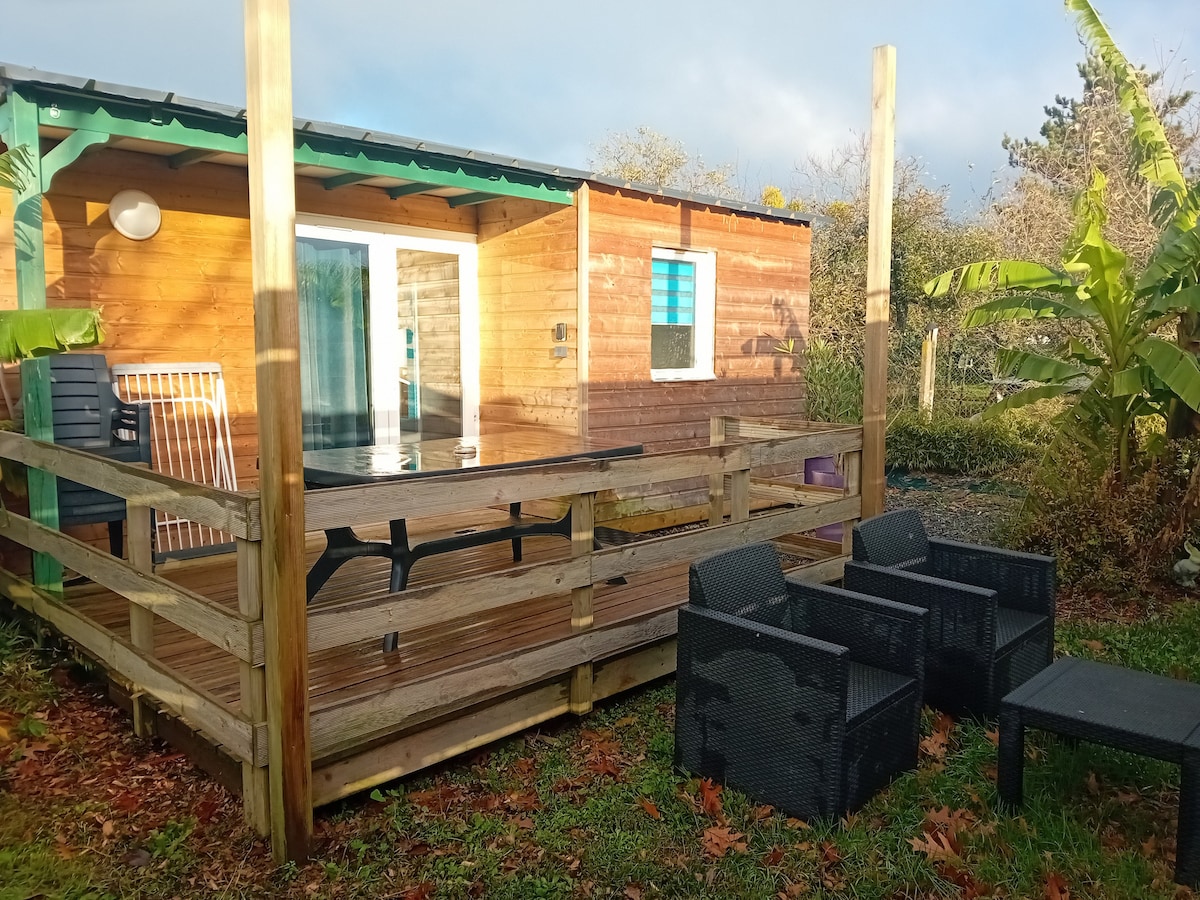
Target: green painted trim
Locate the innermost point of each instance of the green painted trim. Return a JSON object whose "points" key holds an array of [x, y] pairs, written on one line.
{"points": [[337, 181], [186, 158], [143, 121], [70, 149], [408, 190], [6, 118], [29, 243], [473, 199], [411, 170]]}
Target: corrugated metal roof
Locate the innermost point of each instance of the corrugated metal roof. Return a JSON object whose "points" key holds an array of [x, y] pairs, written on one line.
{"points": [[13, 74]]}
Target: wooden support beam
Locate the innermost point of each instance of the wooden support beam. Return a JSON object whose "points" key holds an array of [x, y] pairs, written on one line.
{"points": [[717, 436], [582, 302], [186, 158], [851, 485], [472, 199], [66, 152], [583, 522], [140, 522], [256, 788], [277, 351], [405, 190], [879, 274], [344, 180], [29, 244]]}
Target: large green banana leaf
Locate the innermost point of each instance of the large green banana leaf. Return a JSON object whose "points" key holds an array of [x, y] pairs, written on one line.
{"points": [[1029, 395], [1188, 298], [1156, 158], [27, 333], [1000, 274], [1024, 306], [1035, 367], [1176, 369]]}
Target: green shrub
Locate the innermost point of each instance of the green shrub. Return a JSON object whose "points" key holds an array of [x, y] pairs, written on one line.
{"points": [[833, 378], [1109, 535], [956, 446]]}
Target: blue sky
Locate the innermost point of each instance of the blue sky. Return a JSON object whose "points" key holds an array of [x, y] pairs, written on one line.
{"points": [[760, 84]]}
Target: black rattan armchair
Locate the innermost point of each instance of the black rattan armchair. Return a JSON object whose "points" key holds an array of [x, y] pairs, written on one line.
{"points": [[803, 696], [992, 610]]}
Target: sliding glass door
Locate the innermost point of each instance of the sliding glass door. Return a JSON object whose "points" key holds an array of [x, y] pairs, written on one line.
{"points": [[389, 333]]}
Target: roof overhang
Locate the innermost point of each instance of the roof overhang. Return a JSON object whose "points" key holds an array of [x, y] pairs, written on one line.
{"points": [[82, 114]]}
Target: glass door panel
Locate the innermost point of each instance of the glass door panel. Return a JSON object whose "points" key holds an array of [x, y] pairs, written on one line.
{"points": [[429, 322], [333, 285]]}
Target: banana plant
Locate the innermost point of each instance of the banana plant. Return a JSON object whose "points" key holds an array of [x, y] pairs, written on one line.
{"points": [[1126, 371], [1169, 281]]}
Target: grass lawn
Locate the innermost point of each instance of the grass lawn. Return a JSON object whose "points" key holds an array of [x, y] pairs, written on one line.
{"points": [[587, 808]]}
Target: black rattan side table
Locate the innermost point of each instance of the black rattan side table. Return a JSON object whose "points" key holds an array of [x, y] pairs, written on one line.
{"points": [[1122, 708]]}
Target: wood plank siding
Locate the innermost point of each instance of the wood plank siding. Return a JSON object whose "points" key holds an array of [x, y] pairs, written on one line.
{"points": [[185, 294], [761, 289], [527, 284]]}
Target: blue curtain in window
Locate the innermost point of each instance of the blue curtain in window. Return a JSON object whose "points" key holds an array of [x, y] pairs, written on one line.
{"points": [[333, 287], [672, 313]]}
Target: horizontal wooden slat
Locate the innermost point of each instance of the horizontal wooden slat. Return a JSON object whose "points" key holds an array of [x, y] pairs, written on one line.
{"points": [[186, 609], [339, 728], [244, 739], [339, 624], [234, 513], [657, 552]]}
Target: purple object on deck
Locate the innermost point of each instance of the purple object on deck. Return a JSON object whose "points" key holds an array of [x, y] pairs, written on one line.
{"points": [[822, 470]]}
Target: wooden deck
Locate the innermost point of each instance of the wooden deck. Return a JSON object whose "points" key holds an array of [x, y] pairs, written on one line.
{"points": [[487, 647], [359, 670]]}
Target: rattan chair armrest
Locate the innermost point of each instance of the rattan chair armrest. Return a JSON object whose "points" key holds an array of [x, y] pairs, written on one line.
{"points": [[1026, 581], [704, 635], [878, 632], [971, 609]]}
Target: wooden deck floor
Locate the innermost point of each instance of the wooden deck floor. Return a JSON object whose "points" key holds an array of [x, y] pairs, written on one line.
{"points": [[352, 672]]}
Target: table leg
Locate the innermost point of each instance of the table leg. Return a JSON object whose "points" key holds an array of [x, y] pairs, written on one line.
{"points": [[1187, 841], [1011, 757], [341, 545]]}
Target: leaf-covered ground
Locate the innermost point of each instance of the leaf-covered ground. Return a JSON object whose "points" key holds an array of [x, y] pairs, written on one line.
{"points": [[585, 808]]}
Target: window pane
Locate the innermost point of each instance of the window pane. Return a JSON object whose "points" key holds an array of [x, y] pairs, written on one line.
{"points": [[672, 346], [672, 314]]}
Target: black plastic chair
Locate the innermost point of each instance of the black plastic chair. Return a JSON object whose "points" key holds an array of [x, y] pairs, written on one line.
{"points": [[803, 696], [991, 626], [88, 415]]}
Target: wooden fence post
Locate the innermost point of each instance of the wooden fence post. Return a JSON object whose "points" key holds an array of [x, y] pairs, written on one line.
{"points": [[928, 370], [879, 273], [256, 791], [583, 522], [716, 483], [272, 179], [139, 533]]}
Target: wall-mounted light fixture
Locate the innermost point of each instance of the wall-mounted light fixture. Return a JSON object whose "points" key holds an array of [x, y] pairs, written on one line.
{"points": [[135, 215]]}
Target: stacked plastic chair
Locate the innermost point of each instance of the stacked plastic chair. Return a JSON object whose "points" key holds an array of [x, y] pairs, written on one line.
{"points": [[802, 696]]}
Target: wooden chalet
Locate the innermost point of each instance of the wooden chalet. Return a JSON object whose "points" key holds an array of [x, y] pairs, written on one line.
{"points": [[441, 292]]}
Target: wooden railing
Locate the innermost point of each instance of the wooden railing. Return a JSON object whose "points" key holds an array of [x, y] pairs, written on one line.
{"points": [[341, 729], [241, 732], [337, 729]]}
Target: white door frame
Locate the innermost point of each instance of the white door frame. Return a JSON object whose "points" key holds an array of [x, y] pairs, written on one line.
{"points": [[387, 345]]}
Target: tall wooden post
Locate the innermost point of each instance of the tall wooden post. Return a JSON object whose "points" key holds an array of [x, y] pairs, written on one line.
{"points": [[277, 368], [879, 274]]}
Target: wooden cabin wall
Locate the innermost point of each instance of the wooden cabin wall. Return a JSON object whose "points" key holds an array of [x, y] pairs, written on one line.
{"points": [[762, 296], [762, 285], [184, 295], [528, 282]]}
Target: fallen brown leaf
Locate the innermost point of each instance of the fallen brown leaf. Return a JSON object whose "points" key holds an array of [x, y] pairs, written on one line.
{"points": [[718, 841], [650, 808]]}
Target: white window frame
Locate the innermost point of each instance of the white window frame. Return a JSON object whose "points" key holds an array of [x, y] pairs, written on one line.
{"points": [[702, 368], [383, 240]]}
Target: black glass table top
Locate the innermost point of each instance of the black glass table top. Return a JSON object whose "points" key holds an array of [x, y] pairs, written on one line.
{"points": [[390, 462]]}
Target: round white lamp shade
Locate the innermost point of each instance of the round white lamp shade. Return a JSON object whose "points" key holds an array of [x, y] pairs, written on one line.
{"points": [[135, 215]]}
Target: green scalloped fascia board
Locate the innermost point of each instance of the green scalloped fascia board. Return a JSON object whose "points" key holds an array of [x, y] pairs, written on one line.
{"points": [[142, 121]]}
